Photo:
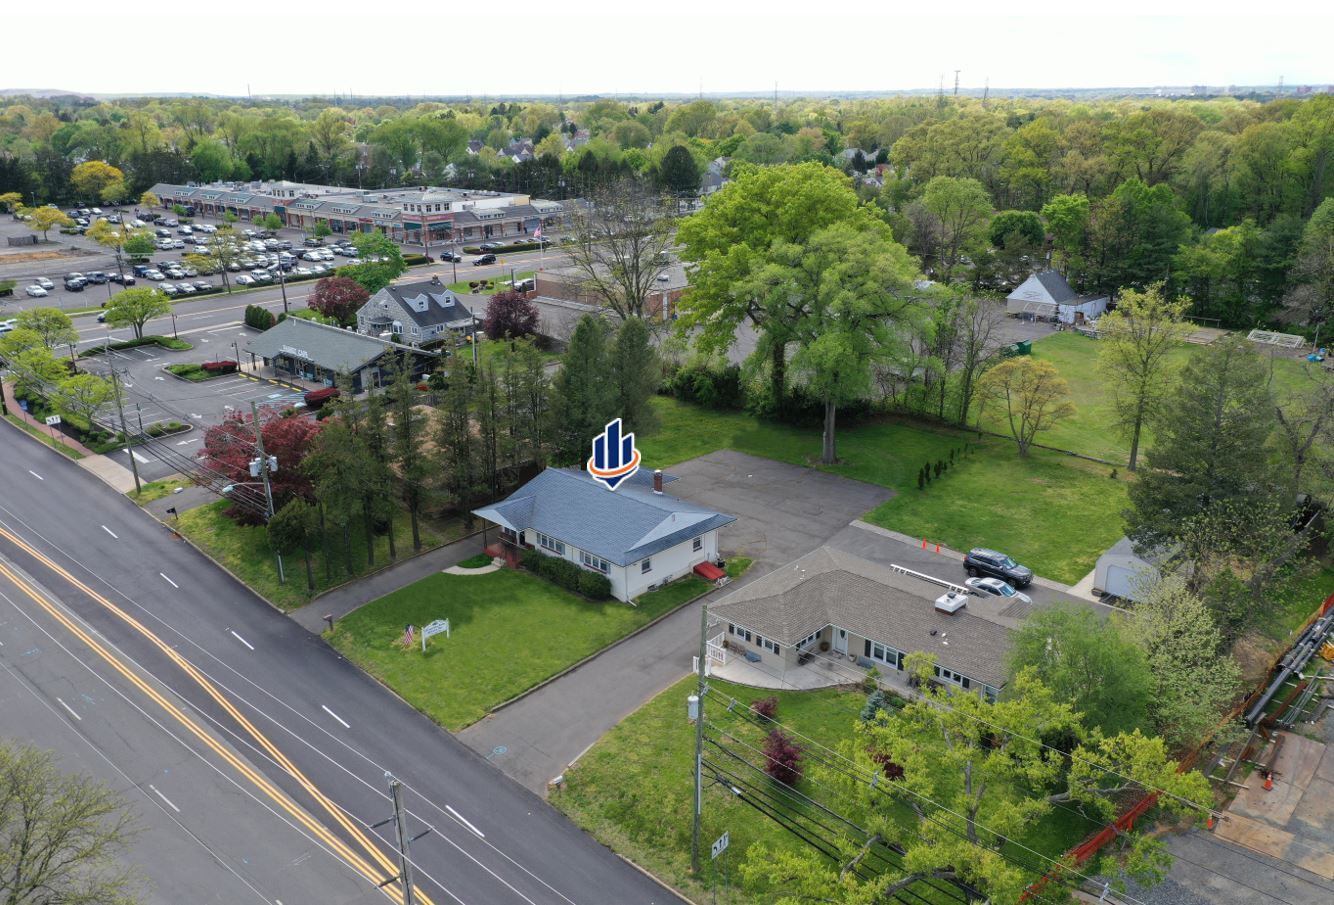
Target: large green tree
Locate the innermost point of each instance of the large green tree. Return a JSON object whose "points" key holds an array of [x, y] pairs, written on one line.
{"points": [[962, 208], [51, 324], [584, 394], [136, 307], [635, 371], [1211, 443], [381, 262]]}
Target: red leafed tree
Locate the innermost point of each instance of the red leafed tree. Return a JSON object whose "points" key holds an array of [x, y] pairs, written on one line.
{"points": [[230, 446], [339, 298], [783, 757], [509, 315]]}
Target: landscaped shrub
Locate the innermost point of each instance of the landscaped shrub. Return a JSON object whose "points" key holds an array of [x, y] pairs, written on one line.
{"points": [[710, 386], [259, 318], [317, 398], [765, 708], [219, 367], [782, 757], [532, 561], [415, 259], [872, 680], [563, 572], [876, 701], [594, 585]]}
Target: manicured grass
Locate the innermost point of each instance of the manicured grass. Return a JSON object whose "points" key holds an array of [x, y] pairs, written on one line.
{"points": [[476, 562], [245, 550], [1055, 513], [499, 283], [44, 437], [166, 342], [1290, 609], [310, 314], [633, 789], [156, 490], [1092, 430], [510, 631], [195, 373], [688, 588]]}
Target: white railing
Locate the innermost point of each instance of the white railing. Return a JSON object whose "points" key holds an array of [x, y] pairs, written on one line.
{"points": [[717, 651]]}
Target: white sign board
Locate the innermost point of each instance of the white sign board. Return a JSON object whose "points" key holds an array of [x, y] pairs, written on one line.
{"points": [[52, 420], [435, 628], [719, 846]]}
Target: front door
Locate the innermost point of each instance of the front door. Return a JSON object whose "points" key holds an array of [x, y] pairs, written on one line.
{"points": [[841, 640]]}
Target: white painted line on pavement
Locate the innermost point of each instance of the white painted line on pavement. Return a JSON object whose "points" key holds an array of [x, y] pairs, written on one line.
{"points": [[187, 442], [336, 716], [70, 709], [164, 798], [242, 640], [36, 475], [169, 581], [109, 531], [138, 458], [459, 817]]}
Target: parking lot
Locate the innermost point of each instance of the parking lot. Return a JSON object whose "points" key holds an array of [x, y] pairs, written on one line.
{"points": [[152, 396]]}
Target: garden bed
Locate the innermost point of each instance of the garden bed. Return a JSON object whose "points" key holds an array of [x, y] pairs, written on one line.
{"points": [[169, 343], [198, 372]]}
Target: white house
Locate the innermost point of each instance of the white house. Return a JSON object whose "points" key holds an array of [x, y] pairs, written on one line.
{"points": [[637, 535], [1047, 294]]}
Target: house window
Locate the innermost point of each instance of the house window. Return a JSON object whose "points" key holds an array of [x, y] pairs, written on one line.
{"points": [[550, 543], [949, 675], [414, 331], [592, 562], [768, 644], [738, 631], [808, 640], [884, 653], [697, 544], [509, 534], [645, 567]]}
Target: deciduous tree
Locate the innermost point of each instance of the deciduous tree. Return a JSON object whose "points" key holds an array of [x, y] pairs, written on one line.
{"points": [[963, 209], [620, 246], [510, 315], [136, 307], [82, 397], [380, 262], [44, 219], [90, 178], [51, 324], [340, 298], [1032, 394], [1136, 341]]}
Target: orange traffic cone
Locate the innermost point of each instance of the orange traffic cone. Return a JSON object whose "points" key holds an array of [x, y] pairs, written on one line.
{"points": [[1209, 824], [923, 543], [1269, 781], [937, 548]]}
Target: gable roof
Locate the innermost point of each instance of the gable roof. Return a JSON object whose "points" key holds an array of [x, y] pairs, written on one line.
{"points": [[334, 348], [1048, 286], [427, 304], [621, 526], [833, 587]]}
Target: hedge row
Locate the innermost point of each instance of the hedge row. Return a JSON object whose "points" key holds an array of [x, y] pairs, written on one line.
{"points": [[522, 246], [565, 574], [258, 317], [413, 260]]}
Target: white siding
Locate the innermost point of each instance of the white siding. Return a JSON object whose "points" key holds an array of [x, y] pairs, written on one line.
{"points": [[628, 582]]}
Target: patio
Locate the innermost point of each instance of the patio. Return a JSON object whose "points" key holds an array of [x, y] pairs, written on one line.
{"points": [[822, 671]]}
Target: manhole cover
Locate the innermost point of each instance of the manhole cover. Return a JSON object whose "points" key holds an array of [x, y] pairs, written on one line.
{"points": [[499, 750]]}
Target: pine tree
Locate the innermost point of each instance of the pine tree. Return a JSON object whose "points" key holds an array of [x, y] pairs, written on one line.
{"points": [[406, 444], [636, 370], [584, 398], [457, 445]]}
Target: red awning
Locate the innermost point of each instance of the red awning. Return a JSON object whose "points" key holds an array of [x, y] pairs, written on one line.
{"points": [[709, 572]]}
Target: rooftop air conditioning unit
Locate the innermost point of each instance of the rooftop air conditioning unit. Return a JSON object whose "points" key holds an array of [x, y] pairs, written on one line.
{"points": [[951, 602]]}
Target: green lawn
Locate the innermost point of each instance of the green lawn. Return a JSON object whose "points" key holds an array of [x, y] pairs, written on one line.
{"points": [[1053, 512], [688, 588], [1290, 609], [244, 549], [511, 630], [499, 283], [156, 490], [1092, 430], [45, 437]]}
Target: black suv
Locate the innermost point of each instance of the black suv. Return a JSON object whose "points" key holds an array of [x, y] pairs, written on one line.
{"points": [[981, 561], [484, 259]]}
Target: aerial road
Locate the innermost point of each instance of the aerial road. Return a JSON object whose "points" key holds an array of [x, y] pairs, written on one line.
{"points": [[255, 756]]}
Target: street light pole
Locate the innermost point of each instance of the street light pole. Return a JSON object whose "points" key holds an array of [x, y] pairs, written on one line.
{"points": [[282, 282], [268, 490]]}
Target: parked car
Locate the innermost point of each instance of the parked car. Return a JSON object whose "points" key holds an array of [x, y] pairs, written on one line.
{"points": [[74, 285], [186, 289], [203, 285], [311, 241], [994, 587], [490, 246], [156, 276], [45, 283], [167, 288], [186, 231], [97, 277], [124, 279], [981, 561], [245, 279], [8, 325], [141, 269], [35, 291], [484, 259], [171, 222]]}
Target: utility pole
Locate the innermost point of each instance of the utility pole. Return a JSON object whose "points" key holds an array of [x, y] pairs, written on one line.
{"points": [[268, 490], [699, 741], [986, 90], [400, 821], [956, 82], [120, 409]]}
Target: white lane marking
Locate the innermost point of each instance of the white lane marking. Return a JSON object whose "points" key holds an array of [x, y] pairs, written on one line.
{"points": [[70, 709], [336, 716], [187, 442], [138, 458], [36, 475], [461, 819], [169, 581], [159, 794], [242, 640], [109, 531]]}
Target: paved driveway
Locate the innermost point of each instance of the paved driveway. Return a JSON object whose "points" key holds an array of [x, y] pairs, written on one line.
{"points": [[783, 511]]}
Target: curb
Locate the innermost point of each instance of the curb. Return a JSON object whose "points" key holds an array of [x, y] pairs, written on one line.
{"points": [[593, 656], [43, 443]]}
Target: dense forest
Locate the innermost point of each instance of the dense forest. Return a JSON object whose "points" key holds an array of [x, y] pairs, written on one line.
{"points": [[1219, 198]]}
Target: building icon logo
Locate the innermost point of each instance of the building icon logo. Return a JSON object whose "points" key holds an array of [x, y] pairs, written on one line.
{"points": [[614, 457]]}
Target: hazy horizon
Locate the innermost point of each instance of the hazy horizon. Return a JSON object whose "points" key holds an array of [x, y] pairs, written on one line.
{"points": [[523, 49]]}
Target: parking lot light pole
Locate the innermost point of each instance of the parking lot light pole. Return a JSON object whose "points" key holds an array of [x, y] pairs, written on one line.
{"points": [[282, 283], [174, 334]]}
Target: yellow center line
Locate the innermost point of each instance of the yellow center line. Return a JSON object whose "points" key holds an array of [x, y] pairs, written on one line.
{"points": [[337, 813], [260, 782]]}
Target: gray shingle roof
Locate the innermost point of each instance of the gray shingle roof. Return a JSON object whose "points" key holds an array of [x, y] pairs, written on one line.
{"points": [[427, 303], [334, 348], [621, 526], [833, 587]]}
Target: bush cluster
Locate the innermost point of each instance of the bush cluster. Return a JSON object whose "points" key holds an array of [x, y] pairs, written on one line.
{"points": [[708, 385], [565, 574], [414, 259], [317, 398], [522, 246], [219, 367], [259, 318]]}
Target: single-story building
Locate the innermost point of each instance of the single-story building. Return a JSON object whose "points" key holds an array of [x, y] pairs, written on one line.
{"points": [[1048, 295], [414, 313], [637, 535], [320, 353], [568, 284], [834, 604], [1121, 572]]}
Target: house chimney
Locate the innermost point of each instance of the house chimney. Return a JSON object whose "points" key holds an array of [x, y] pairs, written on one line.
{"points": [[657, 480]]}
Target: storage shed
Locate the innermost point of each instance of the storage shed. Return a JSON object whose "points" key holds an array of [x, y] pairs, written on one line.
{"points": [[1047, 294], [1121, 573]]}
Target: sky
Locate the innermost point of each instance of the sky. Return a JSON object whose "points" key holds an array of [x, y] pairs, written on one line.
{"points": [[571, 47]]}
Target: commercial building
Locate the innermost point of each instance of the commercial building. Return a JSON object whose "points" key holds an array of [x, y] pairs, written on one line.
{"points": [[445, 215], [319, 353]]}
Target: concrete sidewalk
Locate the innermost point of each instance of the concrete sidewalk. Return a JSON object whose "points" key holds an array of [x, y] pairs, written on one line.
{"points": [[343, 600]]}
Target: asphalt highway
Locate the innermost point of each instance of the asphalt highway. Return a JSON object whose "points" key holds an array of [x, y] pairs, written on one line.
{"points": [[273, 748]]}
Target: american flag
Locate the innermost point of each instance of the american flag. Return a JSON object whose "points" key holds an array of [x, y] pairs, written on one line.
{"points": [[537, 233], [407, 636]]}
